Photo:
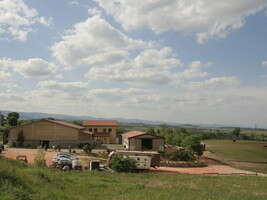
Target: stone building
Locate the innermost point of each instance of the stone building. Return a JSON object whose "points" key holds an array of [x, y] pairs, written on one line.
{"points": [[141, 141]]}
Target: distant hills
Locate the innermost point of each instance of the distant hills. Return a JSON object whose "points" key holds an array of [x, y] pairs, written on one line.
{"points": [[35, 115]]}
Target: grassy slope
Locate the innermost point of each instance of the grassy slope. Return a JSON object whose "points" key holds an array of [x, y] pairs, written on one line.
{"points": [[245, 151], [21, 182]]}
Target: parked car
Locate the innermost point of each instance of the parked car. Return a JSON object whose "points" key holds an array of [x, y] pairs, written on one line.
{"points": [[66, 161]]}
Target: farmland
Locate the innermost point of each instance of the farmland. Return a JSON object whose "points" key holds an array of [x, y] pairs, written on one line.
{"points": [[23, 182], [250, 155]]}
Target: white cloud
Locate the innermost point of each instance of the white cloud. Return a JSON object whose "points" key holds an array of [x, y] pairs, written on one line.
{"points": [[264, 63], [94, 42], [4, 75], [215, 83], [207, 19], [195, 70], [63, 86], [34, 67], [17, 19], [141, 69]]}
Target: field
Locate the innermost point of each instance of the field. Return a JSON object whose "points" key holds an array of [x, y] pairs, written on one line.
{"points": [[22, 182], [250, 155]]}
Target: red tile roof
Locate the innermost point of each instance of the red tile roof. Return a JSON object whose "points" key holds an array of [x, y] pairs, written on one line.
{"points": [[66, 124], [100, 123], [133, 134]]}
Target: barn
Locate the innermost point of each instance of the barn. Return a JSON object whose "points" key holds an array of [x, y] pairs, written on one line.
{"points": [[141, 141], [50, 132]]}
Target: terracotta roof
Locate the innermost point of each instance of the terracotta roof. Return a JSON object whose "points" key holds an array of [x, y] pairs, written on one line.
{"points": [[66, 124], [100, 123], [133, 134]]}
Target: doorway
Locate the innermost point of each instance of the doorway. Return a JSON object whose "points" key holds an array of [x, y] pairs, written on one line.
{"points": [[44, 143], [147, 144]]}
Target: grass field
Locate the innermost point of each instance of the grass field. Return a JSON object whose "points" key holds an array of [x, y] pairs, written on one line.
{"points": [[248, 155], [21, 182], [244, 151]]}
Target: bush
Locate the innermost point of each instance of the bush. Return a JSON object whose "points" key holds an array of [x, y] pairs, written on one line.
{"points": [[181, 155], [123, 164], [87, 148], [39, 160]]}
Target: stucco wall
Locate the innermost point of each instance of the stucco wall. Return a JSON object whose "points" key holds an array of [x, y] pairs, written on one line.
{"points": [[100, 129], [135, 144], [44, 130]]}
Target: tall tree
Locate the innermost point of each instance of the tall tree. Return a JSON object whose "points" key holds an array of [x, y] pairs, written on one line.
{"points": [[236, 132], [13, 118]]}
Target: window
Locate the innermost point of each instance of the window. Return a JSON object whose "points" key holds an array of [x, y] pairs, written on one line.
{"points": [[95, 129], [109, 130], [104, 130], [90, 129]]}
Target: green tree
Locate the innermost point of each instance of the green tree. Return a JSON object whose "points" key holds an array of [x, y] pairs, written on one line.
{"points": [[12, 121], [151, 131], [13, 114], [193, 144], [236, 132], [87, 148], [13, 118]]}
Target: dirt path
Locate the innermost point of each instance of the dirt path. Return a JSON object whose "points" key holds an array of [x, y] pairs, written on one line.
{"points": [[213, 168]]}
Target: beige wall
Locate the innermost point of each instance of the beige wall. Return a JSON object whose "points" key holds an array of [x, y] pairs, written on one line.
{"points": [[44, 130], [135, 144], [112, 138]]}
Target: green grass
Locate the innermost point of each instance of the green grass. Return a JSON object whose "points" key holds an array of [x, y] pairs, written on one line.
{"points": [[22, 182], [244, 151]]}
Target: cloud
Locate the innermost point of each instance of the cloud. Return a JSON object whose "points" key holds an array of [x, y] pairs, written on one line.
{"points": [[4, 75], [92, 43], [264, 63], [207, 19], [214, 83], [17, 19], [63, 86], [31, 68], [141, 69], [195, 70]]}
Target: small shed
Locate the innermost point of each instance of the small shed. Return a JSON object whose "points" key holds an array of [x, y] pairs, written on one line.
{"points": [[141, 141]]}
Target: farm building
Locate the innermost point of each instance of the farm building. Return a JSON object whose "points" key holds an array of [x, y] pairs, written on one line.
{"points": [[103, 131], [50, 132], [141, 141]]}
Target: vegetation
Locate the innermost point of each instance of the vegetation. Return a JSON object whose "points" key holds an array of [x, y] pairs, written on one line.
{"points": [[88, 148], [22, 182], [249, 155], [123, 164], [39, 160]]}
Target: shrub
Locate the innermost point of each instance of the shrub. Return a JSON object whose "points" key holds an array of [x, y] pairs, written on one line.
{"points": [[123, 164], [87, 148], [39, 160], [181, 155]]}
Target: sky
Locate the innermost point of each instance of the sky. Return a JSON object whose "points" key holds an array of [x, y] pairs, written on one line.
{"points": [[186, 61]]}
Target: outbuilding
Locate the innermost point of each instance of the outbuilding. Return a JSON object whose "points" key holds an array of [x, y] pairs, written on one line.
{"points": [[141, 141], [49, 133]]}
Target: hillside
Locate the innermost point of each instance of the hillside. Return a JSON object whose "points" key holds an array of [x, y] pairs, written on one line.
{"points": [[22, 182]]}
